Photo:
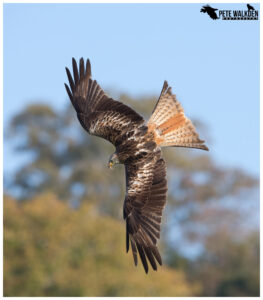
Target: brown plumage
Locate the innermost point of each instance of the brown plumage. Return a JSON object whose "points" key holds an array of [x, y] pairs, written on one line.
{"points": [[138, 148]]}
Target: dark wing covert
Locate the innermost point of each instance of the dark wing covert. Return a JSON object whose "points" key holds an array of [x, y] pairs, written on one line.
{"points": [[98, 114]]}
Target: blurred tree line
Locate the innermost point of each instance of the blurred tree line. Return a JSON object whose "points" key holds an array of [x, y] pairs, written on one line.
{"points": [[64, 233]]}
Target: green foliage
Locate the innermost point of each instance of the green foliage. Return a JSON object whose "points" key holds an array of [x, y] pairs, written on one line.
{"points": [[234, 264], [52, 250], [208, 205]]}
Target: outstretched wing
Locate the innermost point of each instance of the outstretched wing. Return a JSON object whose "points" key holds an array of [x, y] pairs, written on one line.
{"points": [[97, 113], [146, 188]]}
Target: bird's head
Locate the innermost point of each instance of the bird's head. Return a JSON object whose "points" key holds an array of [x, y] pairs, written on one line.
{"points": [[113, 160]]}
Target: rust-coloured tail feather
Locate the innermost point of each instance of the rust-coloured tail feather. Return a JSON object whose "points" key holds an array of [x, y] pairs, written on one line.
{"points": [[169, 124]]}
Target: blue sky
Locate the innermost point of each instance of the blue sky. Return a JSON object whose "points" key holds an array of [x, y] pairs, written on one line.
{"points": [[212, 66]]}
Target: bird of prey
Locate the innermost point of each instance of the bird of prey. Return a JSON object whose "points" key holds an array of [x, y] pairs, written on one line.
{"points": [[138, 146], [210, 11], [250, 7]]}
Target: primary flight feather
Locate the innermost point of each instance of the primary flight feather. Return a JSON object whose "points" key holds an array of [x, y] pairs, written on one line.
{"points": [[138, 146]]}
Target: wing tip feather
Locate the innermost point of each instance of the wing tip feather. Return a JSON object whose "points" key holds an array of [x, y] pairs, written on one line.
{"points": [[68, 91], [88, 69]]}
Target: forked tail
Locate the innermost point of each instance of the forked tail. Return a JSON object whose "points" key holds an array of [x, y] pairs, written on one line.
{"points": [[169, 124]]}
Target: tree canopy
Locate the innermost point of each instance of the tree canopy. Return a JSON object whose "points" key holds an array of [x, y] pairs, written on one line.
{"points": [[66, 198], [52, 250]]}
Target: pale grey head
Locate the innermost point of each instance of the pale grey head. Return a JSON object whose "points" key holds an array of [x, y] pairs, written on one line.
{"points": [[113, 160]]}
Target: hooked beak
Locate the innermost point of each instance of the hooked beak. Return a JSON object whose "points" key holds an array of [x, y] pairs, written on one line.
{"points": [[110, 165]]}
